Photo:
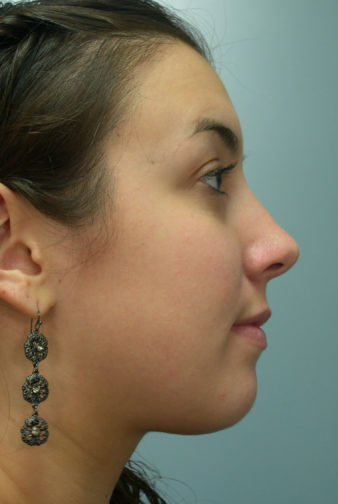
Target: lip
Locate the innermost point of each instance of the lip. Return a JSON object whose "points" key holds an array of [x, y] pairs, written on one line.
{"points": [[253, 334], [256, 320], [249, 328]]}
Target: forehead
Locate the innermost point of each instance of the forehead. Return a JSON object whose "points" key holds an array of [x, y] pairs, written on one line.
{"points": [[176, 90]]}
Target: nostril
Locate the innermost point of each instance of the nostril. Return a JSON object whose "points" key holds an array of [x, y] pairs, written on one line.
{"points": [[276, 266], [276, 269]]}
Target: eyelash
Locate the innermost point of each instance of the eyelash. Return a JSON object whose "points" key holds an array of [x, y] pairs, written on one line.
{"points": [[220, 172]]}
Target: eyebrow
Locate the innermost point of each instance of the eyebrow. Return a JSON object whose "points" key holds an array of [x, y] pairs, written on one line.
{"points": [[228, 137]]}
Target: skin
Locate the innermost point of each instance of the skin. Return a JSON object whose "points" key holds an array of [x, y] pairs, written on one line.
{"points": [[140, 334]]}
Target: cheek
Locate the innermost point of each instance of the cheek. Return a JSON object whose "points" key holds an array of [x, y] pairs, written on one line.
{"points": [[174, 284], [183, 268]]}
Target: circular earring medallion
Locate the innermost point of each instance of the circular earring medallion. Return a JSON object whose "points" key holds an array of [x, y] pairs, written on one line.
{"points": [[35, 388], [35, 431], [36, 347]]}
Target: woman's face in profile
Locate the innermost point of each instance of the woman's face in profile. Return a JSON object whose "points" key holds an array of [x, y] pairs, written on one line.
{"points": [[186, 262]]}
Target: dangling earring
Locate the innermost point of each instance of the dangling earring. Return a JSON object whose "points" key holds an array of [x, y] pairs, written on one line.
{"points": [[35, 389]]}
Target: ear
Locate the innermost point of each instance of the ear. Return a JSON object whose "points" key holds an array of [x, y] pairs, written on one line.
{"points": [[24, 280]]}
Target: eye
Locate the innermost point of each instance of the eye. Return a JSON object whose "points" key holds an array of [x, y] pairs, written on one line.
{"points": [[218, 175]]}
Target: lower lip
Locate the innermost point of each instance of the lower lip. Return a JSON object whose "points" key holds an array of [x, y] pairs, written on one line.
{"points": [[254, 334]]}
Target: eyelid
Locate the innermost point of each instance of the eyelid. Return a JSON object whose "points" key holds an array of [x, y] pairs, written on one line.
{"points": [[227, 168], [220, 165]]}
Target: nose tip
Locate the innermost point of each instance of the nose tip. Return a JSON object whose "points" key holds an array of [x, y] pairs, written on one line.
{"points": [[271, 251], [294, 253]]}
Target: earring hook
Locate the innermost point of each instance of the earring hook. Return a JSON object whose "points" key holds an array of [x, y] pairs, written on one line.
{"points": [[37, 324]]}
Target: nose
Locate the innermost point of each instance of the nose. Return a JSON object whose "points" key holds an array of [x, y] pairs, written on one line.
{"points": [[269, 251]]}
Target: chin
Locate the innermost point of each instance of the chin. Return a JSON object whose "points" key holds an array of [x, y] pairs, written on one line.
{"points": [[233, 416], [239, 402], [229, 409], [233, 405]]}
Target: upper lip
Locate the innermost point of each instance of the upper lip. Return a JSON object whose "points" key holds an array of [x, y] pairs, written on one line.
{"points": [[256, 320]]}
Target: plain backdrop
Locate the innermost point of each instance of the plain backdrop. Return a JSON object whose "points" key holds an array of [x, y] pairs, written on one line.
{"points": [[279, 62]]}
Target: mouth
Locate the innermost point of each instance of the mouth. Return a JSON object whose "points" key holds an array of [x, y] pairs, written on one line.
{"points": [[250, 329]]}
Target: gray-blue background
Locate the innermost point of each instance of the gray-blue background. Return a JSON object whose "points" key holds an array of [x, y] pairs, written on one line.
{"points": [[279, 61]]}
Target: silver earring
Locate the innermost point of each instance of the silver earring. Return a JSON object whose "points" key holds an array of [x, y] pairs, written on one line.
{"points": [[35, 390]]}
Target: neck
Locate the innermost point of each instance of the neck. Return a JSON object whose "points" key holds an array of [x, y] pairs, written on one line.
{"points": [[90, 439], [64, 469]]}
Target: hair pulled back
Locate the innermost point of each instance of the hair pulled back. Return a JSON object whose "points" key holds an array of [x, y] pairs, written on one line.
{"points": [[66, 80]]}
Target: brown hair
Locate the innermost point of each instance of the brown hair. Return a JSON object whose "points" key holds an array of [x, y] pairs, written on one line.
{"points": [[66, 80]]}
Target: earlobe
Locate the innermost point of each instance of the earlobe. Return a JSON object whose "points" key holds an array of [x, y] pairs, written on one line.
{"points": [[23, 281]]}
